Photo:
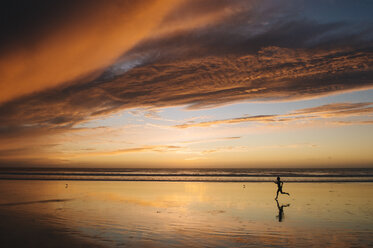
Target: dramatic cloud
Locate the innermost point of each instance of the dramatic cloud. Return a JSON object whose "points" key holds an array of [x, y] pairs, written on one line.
{"points": [[86, 36], [198, 83], [95, 58]]}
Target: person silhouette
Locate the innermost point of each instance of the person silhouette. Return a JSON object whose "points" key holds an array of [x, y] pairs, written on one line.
{"points": [[280, 215], [279, 187]]}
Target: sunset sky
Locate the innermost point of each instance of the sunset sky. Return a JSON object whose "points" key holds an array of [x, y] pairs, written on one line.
{"points": [[188, 83]]}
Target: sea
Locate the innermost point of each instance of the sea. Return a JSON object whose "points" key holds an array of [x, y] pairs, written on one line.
{"points": [[317, 175]]}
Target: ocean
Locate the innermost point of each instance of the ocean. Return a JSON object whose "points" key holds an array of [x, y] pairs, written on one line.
{"points": [[189, 175]]}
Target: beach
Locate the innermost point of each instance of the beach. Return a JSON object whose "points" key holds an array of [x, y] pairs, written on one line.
{"points": [[176, 124], [60, 213]]}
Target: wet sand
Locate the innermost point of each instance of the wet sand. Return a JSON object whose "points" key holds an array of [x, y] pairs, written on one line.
{"points": [[17, 230], [163, 214]]}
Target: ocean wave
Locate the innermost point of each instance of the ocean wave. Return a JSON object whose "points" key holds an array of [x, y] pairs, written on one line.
{"points": [[191, 175]]}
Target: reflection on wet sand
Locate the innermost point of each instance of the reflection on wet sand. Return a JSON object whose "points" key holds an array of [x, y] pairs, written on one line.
{"points": [[163, 214], [281, 214]]}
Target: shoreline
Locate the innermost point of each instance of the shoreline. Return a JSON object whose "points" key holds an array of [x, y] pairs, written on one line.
{"points": [[177, 181]]}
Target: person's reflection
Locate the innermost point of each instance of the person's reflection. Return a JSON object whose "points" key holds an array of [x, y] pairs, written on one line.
{"points": [[280, 215]]}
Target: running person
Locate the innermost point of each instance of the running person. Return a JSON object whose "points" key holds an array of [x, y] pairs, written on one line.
{"points": [[279, 187]]}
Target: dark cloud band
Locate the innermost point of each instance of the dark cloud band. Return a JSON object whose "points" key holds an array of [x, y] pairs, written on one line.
{"points": [[243, 51]]}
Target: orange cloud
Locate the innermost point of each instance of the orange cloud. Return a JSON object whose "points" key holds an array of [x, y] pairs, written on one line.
{"points": [[339, 109], [257, 118], [198, 83], [324, 111], [129, 150], [89, 42]]}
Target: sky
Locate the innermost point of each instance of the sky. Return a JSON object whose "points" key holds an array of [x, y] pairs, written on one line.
{"points": [[185, 84]]}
